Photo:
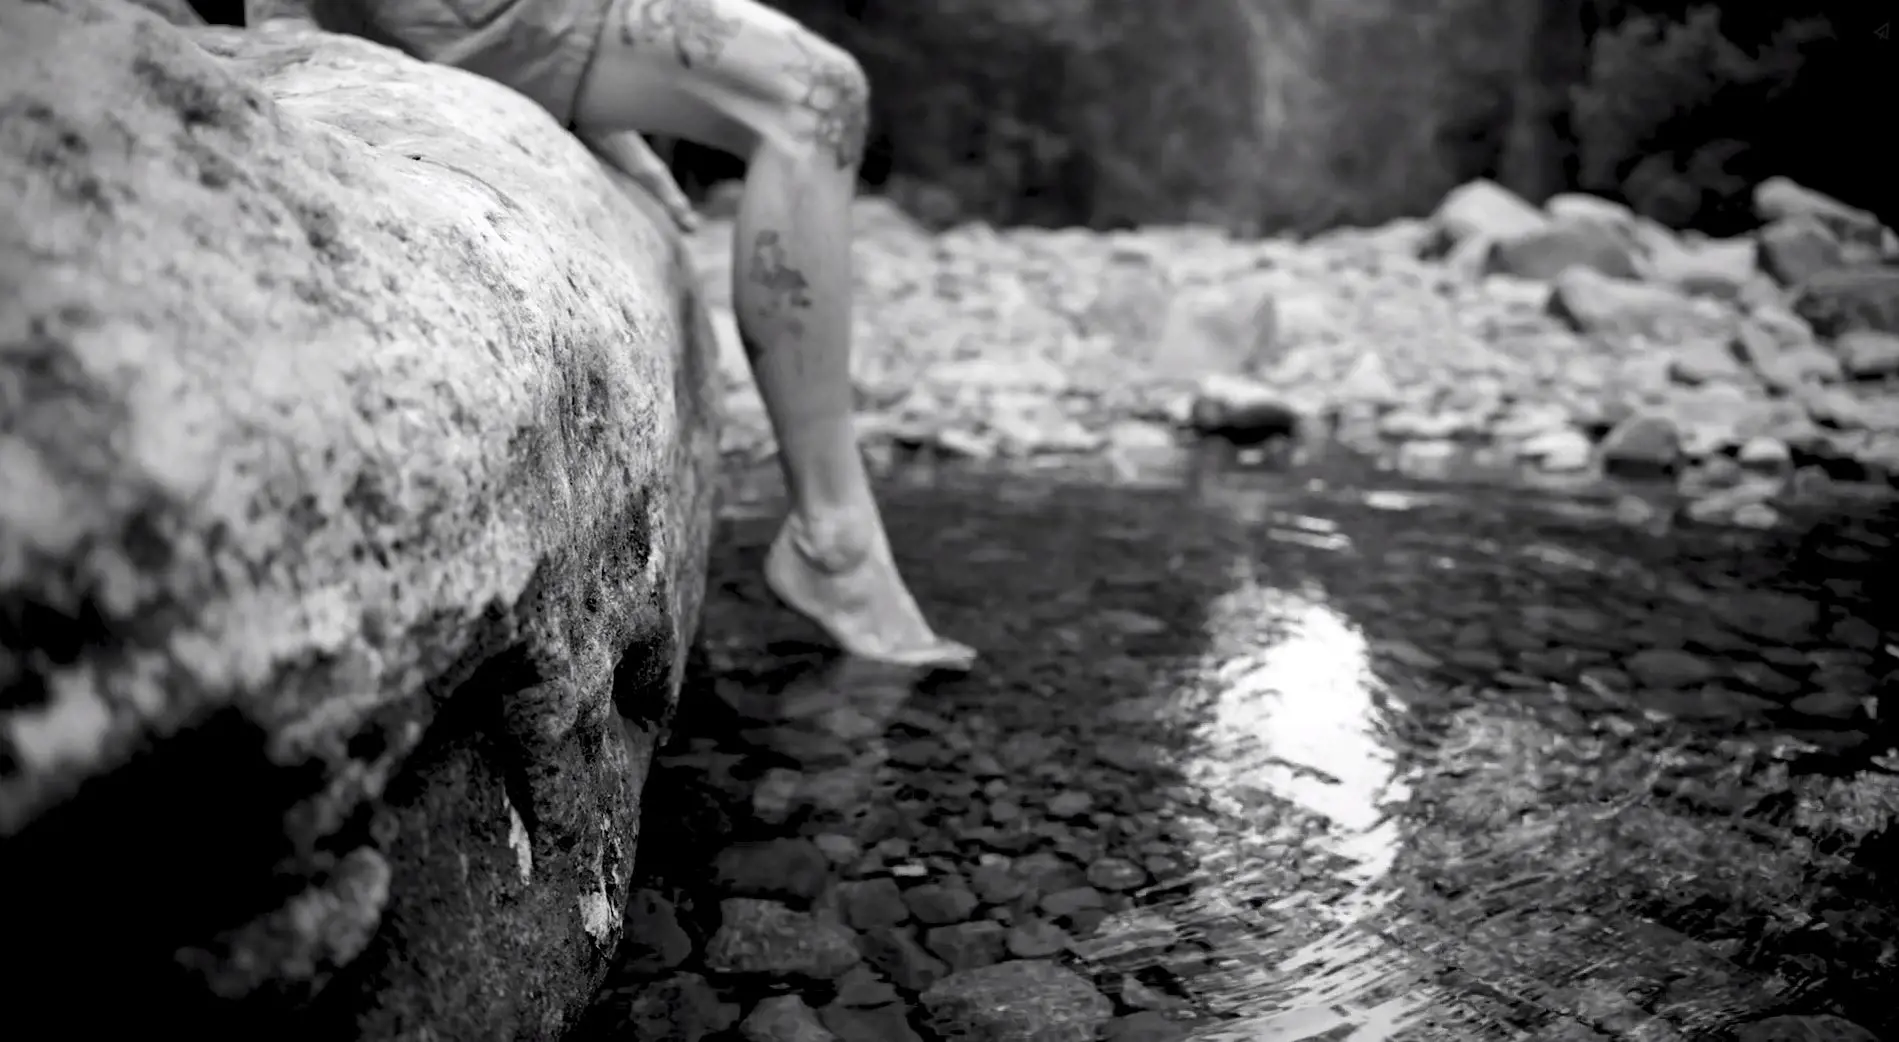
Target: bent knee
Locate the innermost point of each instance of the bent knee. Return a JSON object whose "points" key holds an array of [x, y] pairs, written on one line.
{"points": [[830, 97]]}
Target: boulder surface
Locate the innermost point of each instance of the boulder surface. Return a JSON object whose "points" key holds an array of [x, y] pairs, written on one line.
{"points": [[356, 446]]}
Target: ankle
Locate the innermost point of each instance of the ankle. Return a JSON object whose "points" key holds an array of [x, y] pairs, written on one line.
{"points": [[831, 541]]}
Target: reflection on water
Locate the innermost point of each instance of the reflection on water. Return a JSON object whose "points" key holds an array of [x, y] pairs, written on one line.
{"points": [[1299, 718]]}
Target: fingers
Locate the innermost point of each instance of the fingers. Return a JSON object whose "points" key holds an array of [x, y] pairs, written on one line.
{"points": [[630, 153], [673, 198]]}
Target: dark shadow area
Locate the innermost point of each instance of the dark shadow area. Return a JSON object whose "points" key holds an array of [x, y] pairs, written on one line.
{"points": [[220, 12], [1694, 103], [165, 853]]}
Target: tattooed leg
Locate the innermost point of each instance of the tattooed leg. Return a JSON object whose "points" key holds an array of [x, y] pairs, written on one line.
{"points": [[736, 75]]}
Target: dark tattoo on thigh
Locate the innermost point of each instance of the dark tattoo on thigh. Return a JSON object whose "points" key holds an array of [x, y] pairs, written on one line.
{"points": [[694, 30], [839, 102], [786, 291]]}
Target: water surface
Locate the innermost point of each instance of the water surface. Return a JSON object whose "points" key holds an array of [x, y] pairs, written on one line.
{"points": [[1329, 753]]}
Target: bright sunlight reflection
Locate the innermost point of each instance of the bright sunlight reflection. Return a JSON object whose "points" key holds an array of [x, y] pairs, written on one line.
{"points": [[1297, 716]]}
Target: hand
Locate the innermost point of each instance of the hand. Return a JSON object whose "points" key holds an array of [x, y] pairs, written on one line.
{"points": [[636, 159]]}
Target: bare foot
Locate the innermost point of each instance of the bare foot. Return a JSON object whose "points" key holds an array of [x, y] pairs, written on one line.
{"points": [[860, 601]]}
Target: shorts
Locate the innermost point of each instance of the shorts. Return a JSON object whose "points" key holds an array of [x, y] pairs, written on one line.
{"points": [[540, 48]]}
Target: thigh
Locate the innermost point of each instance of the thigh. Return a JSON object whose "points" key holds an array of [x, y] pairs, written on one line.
{"points": [[722, 73], [623, 96]]}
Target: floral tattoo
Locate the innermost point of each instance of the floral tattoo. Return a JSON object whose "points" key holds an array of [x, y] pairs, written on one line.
{"points": [[839, 102]]}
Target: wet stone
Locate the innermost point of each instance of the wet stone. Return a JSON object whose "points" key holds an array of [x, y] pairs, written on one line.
{"points": [[878, 1024], [965, 946], [1045, 873], [1131, 623], [1669, 668], [794, 869], [863, 988], [871, 903], [1037, 938], [935, 904], [1134, 934], [1137, 994], [681, 1007], [1821, 1028], [809, 748], [1126, 754], [1071, 804], [920, 752], [1854, 632], [1072, 900], [1765, 679], [758, 936], [655, 942], [776, 796], [1117, 874], [1026, 749], [1147, 1026], [784, 1018], [894, 848], [1853, 680], [895, 951], [1828, 705], [1780, 618], [836, 790], [1017, 1001], [997, 883], [1791, 659], [1644, 446], [1708, 703], [838, 849]]}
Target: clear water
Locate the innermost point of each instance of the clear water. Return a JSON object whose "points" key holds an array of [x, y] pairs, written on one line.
{"points": [[1320, 753]]}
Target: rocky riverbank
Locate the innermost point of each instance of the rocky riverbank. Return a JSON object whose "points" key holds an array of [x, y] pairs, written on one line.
{"points": [[1570, 340]]}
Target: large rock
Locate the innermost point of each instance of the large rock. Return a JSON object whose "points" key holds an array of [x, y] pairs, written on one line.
{"points": [[1781, 199], [1844, 299], [1484, 209], [355, 447]]}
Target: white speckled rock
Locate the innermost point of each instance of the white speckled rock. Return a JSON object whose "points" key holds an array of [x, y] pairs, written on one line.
{"points": [[356, 450]]}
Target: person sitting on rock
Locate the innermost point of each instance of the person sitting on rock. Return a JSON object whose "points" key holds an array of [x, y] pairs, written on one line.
{"points": [[740, 77]]}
